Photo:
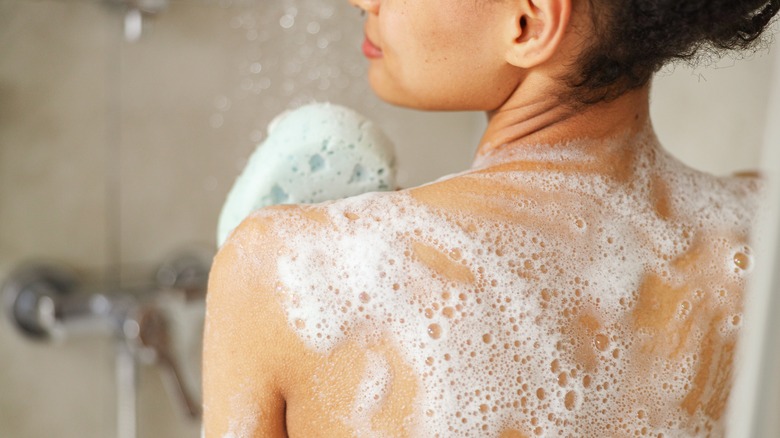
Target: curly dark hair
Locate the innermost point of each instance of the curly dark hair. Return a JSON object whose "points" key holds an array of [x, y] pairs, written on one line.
{"points": [[635, 38]]}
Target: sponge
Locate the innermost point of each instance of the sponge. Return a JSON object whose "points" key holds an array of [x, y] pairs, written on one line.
{"points": [[318, 152]]}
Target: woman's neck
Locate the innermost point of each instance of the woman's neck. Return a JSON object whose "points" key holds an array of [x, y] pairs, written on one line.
{"points": [[543, 120]]}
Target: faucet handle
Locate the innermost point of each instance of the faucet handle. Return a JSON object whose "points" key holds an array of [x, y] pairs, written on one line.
{"points": [[154, 335]]}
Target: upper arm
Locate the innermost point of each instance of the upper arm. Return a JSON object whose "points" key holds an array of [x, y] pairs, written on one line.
{"points": [[247, 349]]}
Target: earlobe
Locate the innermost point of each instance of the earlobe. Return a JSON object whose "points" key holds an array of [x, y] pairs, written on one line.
{"points": [[537, 30], [370, 6]]}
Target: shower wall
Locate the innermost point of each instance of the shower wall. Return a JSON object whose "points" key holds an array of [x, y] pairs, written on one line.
{"points": [[113, 154]]}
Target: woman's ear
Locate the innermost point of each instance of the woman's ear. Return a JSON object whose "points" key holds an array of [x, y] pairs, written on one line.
{"points": [[536, 32]]}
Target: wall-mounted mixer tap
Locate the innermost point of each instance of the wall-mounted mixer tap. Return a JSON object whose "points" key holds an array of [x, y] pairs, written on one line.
{"points": [[45, 302], [49, 302]]}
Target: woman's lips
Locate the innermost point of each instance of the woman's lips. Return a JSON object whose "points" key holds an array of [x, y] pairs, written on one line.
{"points": [[371, 50]]}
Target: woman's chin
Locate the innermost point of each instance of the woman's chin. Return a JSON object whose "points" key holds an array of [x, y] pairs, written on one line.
{"points": [[422, 98], [410, 99], [391, 91], [387, 92]]}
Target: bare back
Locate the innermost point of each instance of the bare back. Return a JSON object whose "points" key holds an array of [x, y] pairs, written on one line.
{"points": [[549, 292]]}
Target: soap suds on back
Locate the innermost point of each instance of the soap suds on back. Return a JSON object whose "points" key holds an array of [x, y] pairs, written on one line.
{"points": [[371, 393], [248, 418], [574, 305]]}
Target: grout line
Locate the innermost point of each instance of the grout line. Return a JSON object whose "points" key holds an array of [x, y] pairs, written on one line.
{"points": [[113, 155]]}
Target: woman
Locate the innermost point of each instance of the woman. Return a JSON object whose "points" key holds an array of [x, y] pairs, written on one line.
{"points": [[577, 281]]}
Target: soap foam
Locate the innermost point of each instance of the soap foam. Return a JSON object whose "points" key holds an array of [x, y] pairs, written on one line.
{"points": [[248, 417], [609, 309], [371, 393]]}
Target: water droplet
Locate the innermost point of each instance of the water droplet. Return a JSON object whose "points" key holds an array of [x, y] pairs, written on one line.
{"points": [[323, 43], [248, 21], [326, 11], [313, 28], [487, 338], [222, 103], [742, 261], [569, 400], [264, 83], [602, 342], [540, 393], [300, 324], [364, 297], [434, 331], [483, 408], [217, 120], [287, 21], [256, 136], [685, 308], [256, 68]]}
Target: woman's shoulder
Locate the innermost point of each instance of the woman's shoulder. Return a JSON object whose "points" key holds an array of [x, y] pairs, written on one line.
{"points": [[344, 216], [724, 199], [315, 237]]}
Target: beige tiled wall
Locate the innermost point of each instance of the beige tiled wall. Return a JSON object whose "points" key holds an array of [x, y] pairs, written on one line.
{"points": [[115, 154], [53, 118], [713, 118]]}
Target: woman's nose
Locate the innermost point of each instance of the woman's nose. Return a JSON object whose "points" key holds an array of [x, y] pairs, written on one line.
{"points": [[370, 6]]}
